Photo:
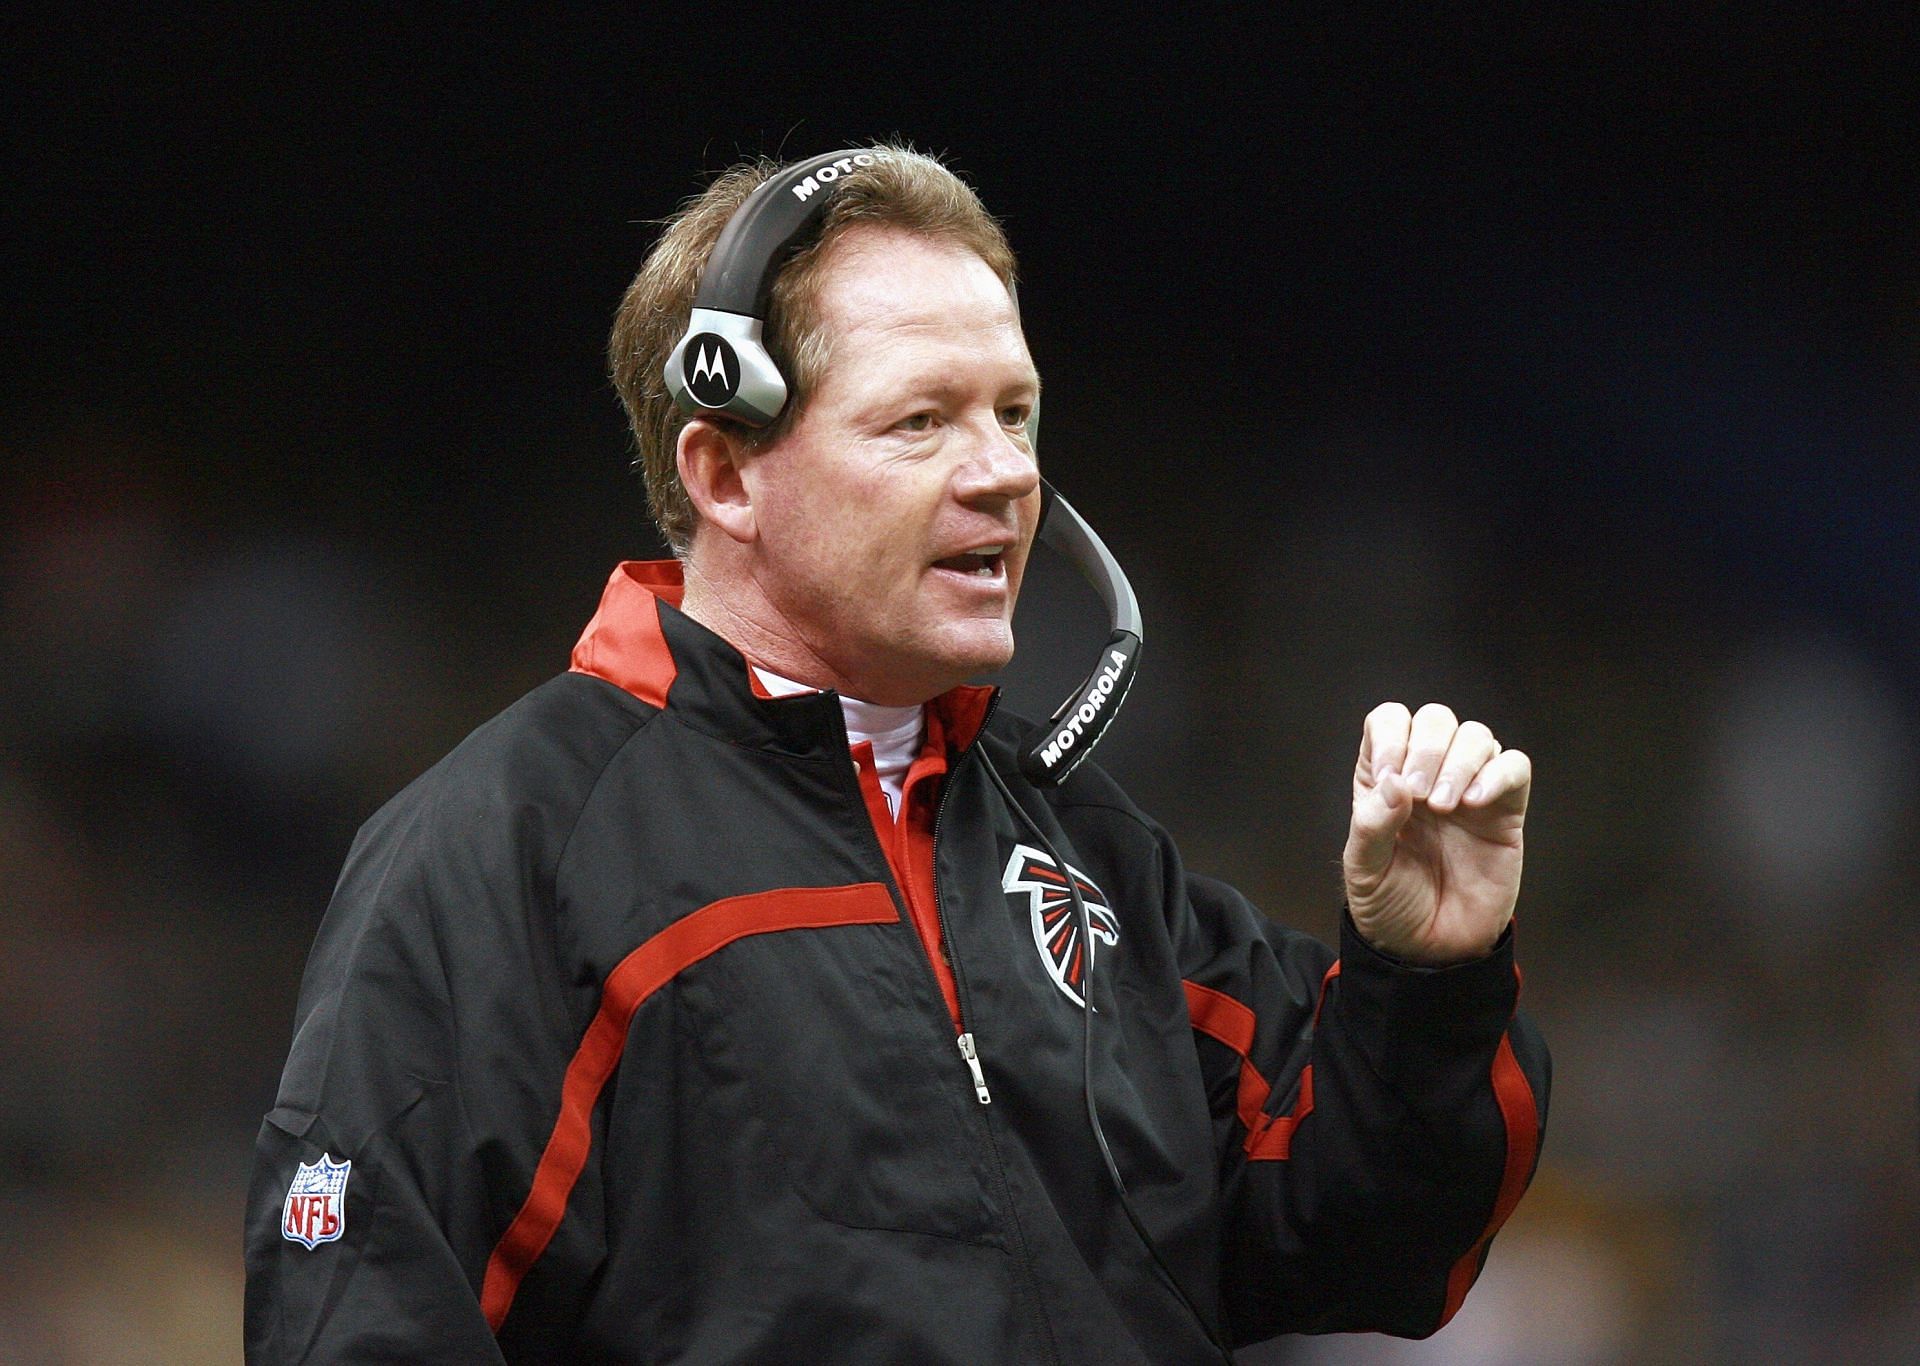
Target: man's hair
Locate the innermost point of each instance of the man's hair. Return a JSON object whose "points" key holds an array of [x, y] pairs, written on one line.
{"points": [[902, 188]]}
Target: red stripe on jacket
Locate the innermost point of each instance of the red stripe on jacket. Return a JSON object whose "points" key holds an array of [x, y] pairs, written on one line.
{"points": [[1219, 1016], [639, 975], [906, 837], [1520, 1113], [1270, 1138]]}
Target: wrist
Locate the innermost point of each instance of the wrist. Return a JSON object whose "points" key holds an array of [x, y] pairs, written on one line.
{"points": [[1405, 952]]}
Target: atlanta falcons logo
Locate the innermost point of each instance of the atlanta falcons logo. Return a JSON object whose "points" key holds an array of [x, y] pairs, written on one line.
{"points": [[1056, 929]]}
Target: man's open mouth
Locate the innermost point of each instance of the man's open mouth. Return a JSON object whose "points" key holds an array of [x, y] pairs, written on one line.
{"points": [[985, 561]]}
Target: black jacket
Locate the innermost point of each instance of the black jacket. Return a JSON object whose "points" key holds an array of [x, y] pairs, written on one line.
{"points": [[617, 1020]]}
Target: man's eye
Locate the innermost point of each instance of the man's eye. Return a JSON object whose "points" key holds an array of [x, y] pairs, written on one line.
{"points": [[919, 422], [1015, 414]]}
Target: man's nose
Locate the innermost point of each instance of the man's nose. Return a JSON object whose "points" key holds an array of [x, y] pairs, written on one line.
{"points": [[997, 466]]}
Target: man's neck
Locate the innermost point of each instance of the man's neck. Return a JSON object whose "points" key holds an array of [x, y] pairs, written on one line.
{"points": [[734, 608], [748, 631], [893, 732]]}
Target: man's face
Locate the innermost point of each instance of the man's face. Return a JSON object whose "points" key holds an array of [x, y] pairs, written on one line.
{"points": [[896, 515]]}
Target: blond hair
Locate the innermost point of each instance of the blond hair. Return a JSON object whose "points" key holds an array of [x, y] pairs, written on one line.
{"points": [[902, 188]]}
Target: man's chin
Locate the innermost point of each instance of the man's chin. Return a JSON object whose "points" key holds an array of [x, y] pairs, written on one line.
{"points": [[964, 656], [982, 648]]}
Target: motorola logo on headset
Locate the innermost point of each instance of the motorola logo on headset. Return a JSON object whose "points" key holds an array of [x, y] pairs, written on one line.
{"points": [[1113, 678], [710, 368], [832, 171]]}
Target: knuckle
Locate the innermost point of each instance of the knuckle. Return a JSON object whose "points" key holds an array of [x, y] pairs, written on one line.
{"points": [[1478, 740]]}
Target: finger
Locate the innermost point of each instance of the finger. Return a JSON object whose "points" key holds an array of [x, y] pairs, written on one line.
{"points": [[1433, 728], [1383, 740], [1378, 815], [1472, 747], [1507, 779]]}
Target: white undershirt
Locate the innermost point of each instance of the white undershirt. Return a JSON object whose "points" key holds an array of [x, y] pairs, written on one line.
{"points": [[894, 732]]}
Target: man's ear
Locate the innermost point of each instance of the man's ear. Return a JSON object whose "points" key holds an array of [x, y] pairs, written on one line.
{"points": [[710, 456]]}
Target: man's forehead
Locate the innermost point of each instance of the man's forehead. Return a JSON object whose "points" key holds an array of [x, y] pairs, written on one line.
{"points": [[877, 276]]}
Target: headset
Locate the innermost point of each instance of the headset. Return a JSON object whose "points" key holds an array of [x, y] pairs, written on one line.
{"points": [[721, 368]]}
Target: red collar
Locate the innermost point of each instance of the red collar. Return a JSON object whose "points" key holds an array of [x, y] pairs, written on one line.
{"points": [[626, 645]]}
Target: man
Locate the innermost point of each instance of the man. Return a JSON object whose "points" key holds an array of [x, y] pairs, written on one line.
{"points": [[720, 1001]]}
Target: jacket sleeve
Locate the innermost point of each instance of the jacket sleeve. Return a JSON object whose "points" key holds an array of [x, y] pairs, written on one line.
{"points": [[1376, 1122], [407, 1117]]}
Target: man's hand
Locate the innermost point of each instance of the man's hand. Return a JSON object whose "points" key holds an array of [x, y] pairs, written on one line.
{"points": [[1433, 855]]}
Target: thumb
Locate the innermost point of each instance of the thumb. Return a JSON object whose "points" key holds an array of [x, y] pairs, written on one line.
{"points": [[1379, 814]]}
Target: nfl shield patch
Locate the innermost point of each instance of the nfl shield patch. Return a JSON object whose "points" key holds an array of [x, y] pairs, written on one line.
{"points": [[316, 1209]]}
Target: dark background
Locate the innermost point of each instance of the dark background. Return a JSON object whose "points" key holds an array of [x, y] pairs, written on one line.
{"points": [[1565, 370]]}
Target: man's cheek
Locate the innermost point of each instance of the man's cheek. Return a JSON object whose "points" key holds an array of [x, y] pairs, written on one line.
{"points": [[819, 542]]}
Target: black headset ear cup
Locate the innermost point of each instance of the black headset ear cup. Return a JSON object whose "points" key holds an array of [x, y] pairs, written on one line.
{"points": [[720, 367]]}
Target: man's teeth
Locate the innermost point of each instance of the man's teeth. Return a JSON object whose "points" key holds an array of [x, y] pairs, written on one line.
{"points": [[984, 562]]}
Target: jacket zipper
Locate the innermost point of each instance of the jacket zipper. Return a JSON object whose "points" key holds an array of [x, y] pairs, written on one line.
{"points": [[968, 1048], [972, 1055], [964, 1040]]}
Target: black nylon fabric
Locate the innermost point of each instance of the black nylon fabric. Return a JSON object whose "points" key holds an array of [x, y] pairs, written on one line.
{"points": [[789, 1162]]}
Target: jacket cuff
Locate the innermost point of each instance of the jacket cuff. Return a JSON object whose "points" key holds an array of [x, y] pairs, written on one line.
{"points": [[1415, 1023]]}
